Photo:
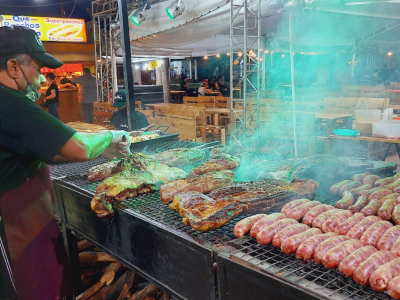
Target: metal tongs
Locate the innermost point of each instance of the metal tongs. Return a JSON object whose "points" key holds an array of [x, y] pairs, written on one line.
{"points": [[140, 131]]}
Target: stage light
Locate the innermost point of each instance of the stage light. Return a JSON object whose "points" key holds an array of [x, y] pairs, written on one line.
{"points": [[218, 56], [205, 57], [175, 9], [240, 54], [137, 67], [228, 54], [390, 53], [266, 52], [140, 15], [283, 55]]}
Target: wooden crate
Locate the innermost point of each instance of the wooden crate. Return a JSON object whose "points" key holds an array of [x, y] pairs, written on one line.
{"points": [[203, 101], [102, 111], [364, 91]]}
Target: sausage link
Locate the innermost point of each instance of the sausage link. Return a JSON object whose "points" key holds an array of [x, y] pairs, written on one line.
{"points": [[306, 249], [396, 214], [346, 201], [334, 256], [372, 207], [369, 192], [356, 192], [357, 231], [349, 186], [370, 179], [382, 275], [388, 238], [298, 212], [393, 185], [243, 226], [326, 245], [345, 226], [334, 189], [379, 194], [390, 196], [267, 234], [373, 233], [393, 288], [384, 181], [386, 209], [293, 204], [332, 222], [317, 223], [366, 268], [360, 177], [287, 232], [396, 190], [350, 263], [264, 222], [397, 176], [361, 202], [314, 212], [395, 248], [291, 244]]}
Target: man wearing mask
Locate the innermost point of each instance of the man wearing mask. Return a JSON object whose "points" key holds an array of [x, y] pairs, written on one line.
{"points": [[33, 262], [87, 94]]}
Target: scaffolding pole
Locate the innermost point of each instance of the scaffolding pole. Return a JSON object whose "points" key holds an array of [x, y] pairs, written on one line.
{"points": [[293, 83]]}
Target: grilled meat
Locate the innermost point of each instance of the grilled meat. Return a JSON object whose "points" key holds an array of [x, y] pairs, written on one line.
{"points": [[101, 172], [181, 157], [221, 162], [203, 184]]}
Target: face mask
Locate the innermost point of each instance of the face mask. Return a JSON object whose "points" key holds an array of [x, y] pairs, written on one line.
{"points": [[31, 91]]}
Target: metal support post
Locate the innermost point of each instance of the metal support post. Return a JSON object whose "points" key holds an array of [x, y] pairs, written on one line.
{"points": [[293, 83]]}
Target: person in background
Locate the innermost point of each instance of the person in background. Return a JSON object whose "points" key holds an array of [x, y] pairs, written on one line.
{"points": [[120, 117], [323, 74], [51, 98], [202, 89], [365, 79], [87, 94], [66, 82], [30, 240], [376, 78], [184, 84], [221, 81]]}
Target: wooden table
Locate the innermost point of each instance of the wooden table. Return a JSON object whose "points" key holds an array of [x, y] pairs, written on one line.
{"points": [[151, 106], [86, 127], [177, 95], [331, 119], [215, 112]]}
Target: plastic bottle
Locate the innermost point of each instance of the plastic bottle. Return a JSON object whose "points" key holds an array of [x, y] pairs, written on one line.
{"points": [[362, 105]]}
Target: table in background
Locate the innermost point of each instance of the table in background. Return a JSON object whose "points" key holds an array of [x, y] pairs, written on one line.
{"points": [[215, 112], [151, 106], [86, 127], [177, 95], [331, 119]]}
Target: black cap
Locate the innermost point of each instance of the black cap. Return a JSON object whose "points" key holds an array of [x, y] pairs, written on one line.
{"points": [[22, 40], [119, 98]]}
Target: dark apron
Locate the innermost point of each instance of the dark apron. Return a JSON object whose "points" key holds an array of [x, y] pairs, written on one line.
{"points": [[38, 257]]}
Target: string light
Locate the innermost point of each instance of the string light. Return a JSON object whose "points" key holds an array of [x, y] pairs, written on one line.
{"points": [[218, 56], [266, 52], [240, 54], [228, 54], [390, 53], [205, 57], [283, 55]]}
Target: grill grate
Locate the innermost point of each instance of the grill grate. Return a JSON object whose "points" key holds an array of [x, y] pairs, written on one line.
{"points": [[70, 169]]}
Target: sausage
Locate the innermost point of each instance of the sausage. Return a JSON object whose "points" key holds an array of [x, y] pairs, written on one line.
{"points": [[293, 204], [390, 196], [393, 186], [373, 233], [397, 176], [317, 223], [314, 212], [396, 214], [366, 268], [386, 209], [298, 212], [266, 235], [306, 249], [388, 238], [345, 226], [326, 245], [372, 207], [332, 222], [243, 226], [264, 222], [379, 194], [357, 231], [356, 192], [334, 189], [361, 202], [382, 275], [346, 201], [370, 179], [397, 189], [291, 244], [350, 263], [395, 248], [384, 181], [349, 186], [360, 177], [334, 256], [393, 288], [369, 192], [288, 232]]}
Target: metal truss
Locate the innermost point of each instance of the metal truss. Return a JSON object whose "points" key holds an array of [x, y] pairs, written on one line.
{"points": [[245, 79]]}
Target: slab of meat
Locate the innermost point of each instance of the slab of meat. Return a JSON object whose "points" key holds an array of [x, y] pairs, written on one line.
{"points": [[388, 238], [350, 263], [373, 233], [222, 162], [326, 245], [335, 220], [243, 226], [181, 157], [334, 256], [357, 231], [264, 222], [361, 202], [393, 288], [382, 275], [357, 191], [267, 234], [346, 201], [103, 171], [293, 204], [291, 244], [314, 212], [360, 177], [384, 181], [345, 226], [366, 268], [298, 212], [203, 184], [334, 189], [370, 179], [386, 209], [287, 232], [306, 249], [320, 220]]}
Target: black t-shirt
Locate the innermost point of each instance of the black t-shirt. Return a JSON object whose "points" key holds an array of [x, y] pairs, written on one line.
{"points": [[52, 86], [183, 83], [29, 136], [120, 119], [66, 80]]}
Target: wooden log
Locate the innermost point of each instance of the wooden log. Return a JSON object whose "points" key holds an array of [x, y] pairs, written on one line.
{"points": [[106, 279], [92, 272], [110, 291], [83, 245], [148, 291], [86, 258], [130, 278]]}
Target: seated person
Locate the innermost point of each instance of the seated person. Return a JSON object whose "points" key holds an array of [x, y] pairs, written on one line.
{"points": [[184, 84], [66, 82], [120, 117], [202, 90], [221, 81]]}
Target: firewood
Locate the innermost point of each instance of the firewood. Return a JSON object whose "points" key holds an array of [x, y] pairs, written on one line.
{"points": [[110, 291], [83, 245], [106, 279], [87, 258], [150, 298], [165, 296], [145, 293], [91, 272], [130, 278]]}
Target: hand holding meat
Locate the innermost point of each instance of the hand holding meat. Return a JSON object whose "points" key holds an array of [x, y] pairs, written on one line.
{"points": [[119, 146]]}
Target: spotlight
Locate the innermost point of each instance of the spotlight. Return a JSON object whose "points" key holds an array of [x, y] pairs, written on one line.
{"points": [[137, 67], [218, 56], [283, 55], [390, 53], [228, 54], [205, 57], [266, 52], [240, 54], [140, 15], [175, 9]]}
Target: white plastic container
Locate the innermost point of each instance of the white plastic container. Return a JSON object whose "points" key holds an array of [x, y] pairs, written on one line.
{"points": [[367, 116], [387, 129]]}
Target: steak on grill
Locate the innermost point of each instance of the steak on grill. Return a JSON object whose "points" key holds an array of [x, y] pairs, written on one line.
{"points": [[221, 162], [181, 157], [101, 172]]}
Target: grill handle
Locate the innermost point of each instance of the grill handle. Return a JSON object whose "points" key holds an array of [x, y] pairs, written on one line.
{"points": [[163, 126]]}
